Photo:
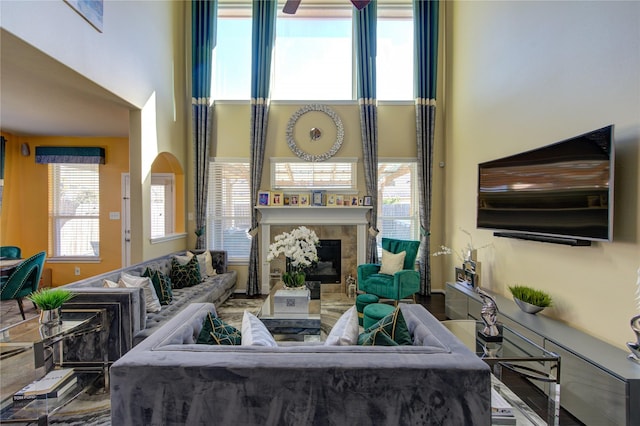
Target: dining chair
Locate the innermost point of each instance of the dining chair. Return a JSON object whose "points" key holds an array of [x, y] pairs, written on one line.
{"points": [[10, 252], [23, 280]]}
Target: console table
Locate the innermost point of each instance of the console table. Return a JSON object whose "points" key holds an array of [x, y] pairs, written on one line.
{"points": [[28, 351], [599, 384]]}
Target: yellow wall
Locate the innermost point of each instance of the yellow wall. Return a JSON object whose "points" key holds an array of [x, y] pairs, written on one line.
{"points": [[24, 216], [525, 74]]}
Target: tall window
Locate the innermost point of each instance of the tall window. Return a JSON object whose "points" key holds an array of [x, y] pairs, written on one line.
{"points": [[229, 208], [313, 58], [75, 210], [314, 53], [162, 204], [397, 200], [394, 60], [232, 58]]}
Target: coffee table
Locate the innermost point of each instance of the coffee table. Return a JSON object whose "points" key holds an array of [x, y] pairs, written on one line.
{"points": [[287, 317], [28, 351]]}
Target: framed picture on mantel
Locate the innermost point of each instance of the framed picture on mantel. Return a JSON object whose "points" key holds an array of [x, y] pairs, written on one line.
{"points": [[264, 198]]}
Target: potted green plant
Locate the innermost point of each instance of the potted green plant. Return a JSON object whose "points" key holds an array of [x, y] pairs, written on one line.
{"points": [[49, 301], [529, 299]]}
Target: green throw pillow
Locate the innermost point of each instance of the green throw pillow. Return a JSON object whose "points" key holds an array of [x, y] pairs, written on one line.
{"points": [[186, 275], [389, 331], [161, 283], [217, 332]]}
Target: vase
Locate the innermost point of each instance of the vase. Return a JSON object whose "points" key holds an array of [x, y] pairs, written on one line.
{"points": [[50, 317], [293, 280], [528, 307]]}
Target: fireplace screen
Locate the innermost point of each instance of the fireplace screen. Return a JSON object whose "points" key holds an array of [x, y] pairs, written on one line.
{"points": [[327, 269]]}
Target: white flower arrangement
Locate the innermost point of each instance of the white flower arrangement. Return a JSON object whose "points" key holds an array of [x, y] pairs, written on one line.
{"points": [[465, 253], [300, 248]]}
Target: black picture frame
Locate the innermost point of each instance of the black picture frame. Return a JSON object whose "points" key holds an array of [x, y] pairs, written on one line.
{"points": [[367, 200]]}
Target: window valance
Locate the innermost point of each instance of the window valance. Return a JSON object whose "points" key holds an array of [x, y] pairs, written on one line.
{"points": [[69, 154]]}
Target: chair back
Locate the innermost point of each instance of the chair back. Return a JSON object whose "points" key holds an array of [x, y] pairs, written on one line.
{"points": [[10, 252], [398, 246], [25, 278]]}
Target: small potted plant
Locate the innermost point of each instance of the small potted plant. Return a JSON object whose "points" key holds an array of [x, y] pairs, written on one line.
{"points": [[49, 302], [529, 299]]}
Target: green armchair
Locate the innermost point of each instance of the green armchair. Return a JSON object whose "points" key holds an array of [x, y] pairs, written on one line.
{"points": [[399, 285], [10, 252], [23, 280]]}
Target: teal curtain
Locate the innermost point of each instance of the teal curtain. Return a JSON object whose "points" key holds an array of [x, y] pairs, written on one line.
{"points": [[203, 41], [262, 41], [69, 154], [425, 15], [365, 24]]}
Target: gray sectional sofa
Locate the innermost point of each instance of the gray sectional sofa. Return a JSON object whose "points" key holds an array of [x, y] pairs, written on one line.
{"points": [[169, 380], [127, 316]]}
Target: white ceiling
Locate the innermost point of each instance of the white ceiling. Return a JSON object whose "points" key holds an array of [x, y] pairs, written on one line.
{"points": [[41, 96]]}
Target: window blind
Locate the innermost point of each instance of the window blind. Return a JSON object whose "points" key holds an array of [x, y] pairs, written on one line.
{"points": [[75, 209], [320, 175], [162, 204], [229, 208], [397, 200]]}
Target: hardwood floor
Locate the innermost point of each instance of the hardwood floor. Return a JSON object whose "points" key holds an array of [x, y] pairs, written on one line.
{"points": [[531, 395]]}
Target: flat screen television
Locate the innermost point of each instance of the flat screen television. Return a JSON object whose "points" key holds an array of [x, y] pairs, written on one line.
{"points": [[560, 193]]}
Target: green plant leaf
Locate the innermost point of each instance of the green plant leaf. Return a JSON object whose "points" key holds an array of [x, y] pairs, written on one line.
{"points": [[50, 298], [531, 295]]}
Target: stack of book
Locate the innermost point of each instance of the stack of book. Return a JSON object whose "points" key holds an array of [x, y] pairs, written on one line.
{"points": [[501, 410], [55, 384]]}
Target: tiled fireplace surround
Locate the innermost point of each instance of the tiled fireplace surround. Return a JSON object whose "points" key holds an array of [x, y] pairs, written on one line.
{"points": [[347, 224]]}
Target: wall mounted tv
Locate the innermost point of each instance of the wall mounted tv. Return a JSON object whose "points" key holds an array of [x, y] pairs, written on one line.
{"points": [[560, 193]]}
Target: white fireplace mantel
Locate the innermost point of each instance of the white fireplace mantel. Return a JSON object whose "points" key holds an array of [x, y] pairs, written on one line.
{"points": [[312, 215]]}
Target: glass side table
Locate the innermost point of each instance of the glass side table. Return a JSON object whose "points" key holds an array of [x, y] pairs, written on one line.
{"points": [[515, 353], [29, 350]]}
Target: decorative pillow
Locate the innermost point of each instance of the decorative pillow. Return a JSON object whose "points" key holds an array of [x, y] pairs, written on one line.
{"points": [[162, 285], [185, 275], [389, 331], [217, 332], [206, 264], [110, 284], [150, 298], [184, 259], [392, 263], [255, 333], [346, 329]]}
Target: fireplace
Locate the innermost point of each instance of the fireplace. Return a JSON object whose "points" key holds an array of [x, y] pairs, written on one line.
{"points": [[346, 224], [328, 267]]}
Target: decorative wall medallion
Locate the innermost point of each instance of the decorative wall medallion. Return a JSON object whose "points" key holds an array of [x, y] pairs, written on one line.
{"points": [[315, 133]]}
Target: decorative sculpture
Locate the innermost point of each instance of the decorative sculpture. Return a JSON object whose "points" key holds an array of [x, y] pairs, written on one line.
{"points": [[351, 286], [489, 314]]}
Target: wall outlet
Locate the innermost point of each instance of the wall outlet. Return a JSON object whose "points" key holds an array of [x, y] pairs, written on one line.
{"points": [[77, 270]]}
